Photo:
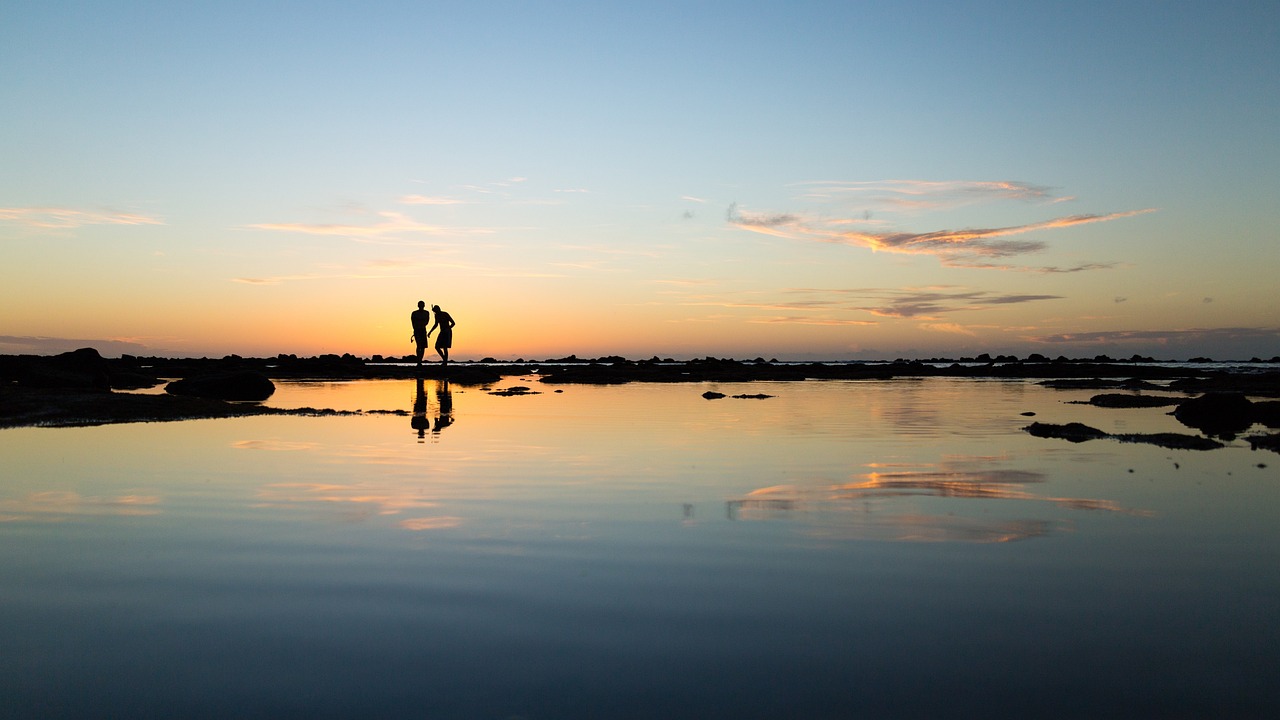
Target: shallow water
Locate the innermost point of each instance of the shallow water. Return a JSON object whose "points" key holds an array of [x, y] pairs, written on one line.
{"points": [[842, 549]]}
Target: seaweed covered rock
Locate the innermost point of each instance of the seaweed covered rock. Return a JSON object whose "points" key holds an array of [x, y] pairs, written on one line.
{"points": [[1074, 432], [1217, 413], [1127, 400], [234, 385]]}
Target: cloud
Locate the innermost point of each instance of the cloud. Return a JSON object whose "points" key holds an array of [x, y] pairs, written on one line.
{"points": [[958, 247], [68, 218], [823, 306], [278, 279], [440, 522], [927, 194], [908, 303], [952, 328], [1206, 336], [39, 345], [426, 200], [800, 320], [393, 226]]}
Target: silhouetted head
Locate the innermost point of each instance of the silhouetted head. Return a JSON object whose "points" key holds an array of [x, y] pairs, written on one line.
{"points": [[436, 308], [421, 305]]}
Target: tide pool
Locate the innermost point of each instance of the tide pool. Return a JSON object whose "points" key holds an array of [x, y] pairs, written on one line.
{"points": [[840, 549]]}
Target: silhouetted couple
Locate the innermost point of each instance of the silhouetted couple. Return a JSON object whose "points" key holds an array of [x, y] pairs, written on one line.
{"points": [[418, 319]]}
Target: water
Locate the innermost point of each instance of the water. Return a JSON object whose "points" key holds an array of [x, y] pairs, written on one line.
{"points": [[842, 549]]}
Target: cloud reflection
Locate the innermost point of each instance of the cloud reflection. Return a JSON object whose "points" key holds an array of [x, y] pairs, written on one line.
{"points": [[61, 505], [890, 505]]}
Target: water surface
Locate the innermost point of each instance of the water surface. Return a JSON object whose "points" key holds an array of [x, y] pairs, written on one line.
{"points": [[842, 549]]}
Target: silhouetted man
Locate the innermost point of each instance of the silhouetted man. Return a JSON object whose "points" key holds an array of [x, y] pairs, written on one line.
{"points": [[444, 340], [419, 319]]}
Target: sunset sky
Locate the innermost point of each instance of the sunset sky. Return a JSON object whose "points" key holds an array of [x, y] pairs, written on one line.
{"points": [[800, 180]]}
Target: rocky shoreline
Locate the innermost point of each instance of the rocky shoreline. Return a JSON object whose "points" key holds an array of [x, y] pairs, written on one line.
{"points": [[83, 388]]}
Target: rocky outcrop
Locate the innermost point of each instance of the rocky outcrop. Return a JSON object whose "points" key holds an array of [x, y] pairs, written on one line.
{"points": [[1074, 432], [235, 385], [1078, 432], [1125, 400], [1217, 413], [82, 369]]}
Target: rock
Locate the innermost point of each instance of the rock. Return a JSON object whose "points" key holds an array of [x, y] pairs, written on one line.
{"points": [[1217, 413], [758, 396], [712, 395], [1265, 442], [514, 390], [82, 369], [234, 385], [1124, 400], [1173, 441], [1267, 412], [1074, 432]]}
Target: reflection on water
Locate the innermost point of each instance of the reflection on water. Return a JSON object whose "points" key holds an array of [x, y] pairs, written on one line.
{"points": [[881, 506], [637, 551], [63, 505], [443, 404]]}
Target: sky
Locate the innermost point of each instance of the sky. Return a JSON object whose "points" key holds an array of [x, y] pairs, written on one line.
{"points": [[792, 180]]}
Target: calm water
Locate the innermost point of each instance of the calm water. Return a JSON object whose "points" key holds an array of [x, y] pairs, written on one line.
{"points": [[843, 549]]}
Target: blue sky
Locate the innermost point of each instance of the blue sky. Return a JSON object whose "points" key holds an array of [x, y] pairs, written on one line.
{"points": [[778, 179]]}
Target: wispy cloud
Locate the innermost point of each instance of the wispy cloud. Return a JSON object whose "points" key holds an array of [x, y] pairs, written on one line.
{"points": [[429, 200], [953, 328], [70, 218], [41, 345], [927, 194], [1206, 336], [927, 303], [972, 243], [980, 247], [393, 227], [825, 306], [279, 279], [802, 320]]}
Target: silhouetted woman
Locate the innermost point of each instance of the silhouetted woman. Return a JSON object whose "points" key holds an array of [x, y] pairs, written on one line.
{"points": [[444, 340]]}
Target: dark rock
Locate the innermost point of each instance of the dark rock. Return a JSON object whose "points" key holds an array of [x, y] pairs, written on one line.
{"points": [[758, 396], [1265, 442], [1219, 413], [1174, 441], [1100, 384], [514, 390], [712, 395], [1074, 432], [1121, 400], [82, 369], [236, 385], [1267, 412]]}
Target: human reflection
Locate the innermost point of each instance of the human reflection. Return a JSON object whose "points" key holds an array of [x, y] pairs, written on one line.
{"points": [[419, 420], [444, 409], [444, 406]]}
